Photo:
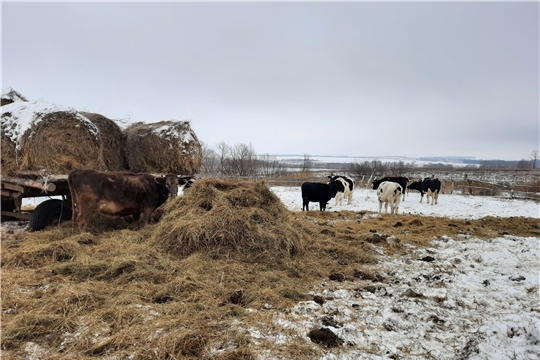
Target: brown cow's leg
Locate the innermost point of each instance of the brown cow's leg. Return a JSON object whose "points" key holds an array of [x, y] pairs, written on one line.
{"points": [[145, 217], [84, 212], [136, 221]]}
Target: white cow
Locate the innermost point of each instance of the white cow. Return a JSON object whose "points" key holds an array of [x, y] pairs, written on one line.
{"points": [[389, 193], [348, 188]]}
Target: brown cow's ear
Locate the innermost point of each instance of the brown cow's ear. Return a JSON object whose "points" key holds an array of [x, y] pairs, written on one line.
{"points": [[160, 180]]}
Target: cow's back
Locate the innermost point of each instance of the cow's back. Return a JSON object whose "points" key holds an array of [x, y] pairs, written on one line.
{"points": [[118, 187]]}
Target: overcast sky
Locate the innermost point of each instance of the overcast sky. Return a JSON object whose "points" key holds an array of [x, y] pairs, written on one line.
{"points": [[356, 79]]}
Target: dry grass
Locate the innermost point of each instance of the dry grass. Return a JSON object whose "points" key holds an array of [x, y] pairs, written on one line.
{"points": [[163, 147], [162, 293]]}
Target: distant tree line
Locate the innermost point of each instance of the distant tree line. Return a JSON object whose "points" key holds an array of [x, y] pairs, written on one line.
{"points": [[239, 160], [530, 163]]}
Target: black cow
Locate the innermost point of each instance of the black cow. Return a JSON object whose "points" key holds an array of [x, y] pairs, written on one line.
{"points": [[120, 194], [317, 192], [399, 179], [428, 186]]}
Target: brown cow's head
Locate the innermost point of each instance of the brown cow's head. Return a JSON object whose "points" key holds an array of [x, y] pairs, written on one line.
{"points": [[170, 182]]}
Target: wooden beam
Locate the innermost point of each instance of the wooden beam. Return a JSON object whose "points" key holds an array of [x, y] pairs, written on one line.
{"points": [[16, 215], [11, 194], [13, 187], [29, 183]]}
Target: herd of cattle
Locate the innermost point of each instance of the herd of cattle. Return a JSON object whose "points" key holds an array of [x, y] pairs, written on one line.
{"points": [[389, 191], [124, 194]]}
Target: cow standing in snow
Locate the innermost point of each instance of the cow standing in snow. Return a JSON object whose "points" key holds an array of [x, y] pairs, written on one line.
{"points": [[401, 180], [430, 187], [317, 192], [345, 189], [389, 192]]}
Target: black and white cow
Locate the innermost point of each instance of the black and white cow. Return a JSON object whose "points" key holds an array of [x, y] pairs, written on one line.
{"points": [[428, 186], [318, 192], [389, 192], [348, 188], [398, 179]]}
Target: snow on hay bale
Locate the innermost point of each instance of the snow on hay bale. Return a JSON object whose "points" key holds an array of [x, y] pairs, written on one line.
{"points": [[54, 137], [11, 96], [8, 146], [226, 218], [163, 147]]}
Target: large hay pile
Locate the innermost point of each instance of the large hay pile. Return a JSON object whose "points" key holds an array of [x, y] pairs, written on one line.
{"points": [[224, 218], [163, 147], [37, 135]]}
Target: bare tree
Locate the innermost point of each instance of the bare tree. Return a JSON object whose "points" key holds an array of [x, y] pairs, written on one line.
{"points": [[306, 166], [243, 160], [223, 155], [534, 158], [523, 164], [210, 160], [269, 165]]}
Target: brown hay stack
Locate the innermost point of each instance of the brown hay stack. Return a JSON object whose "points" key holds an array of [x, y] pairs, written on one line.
{"points": [[113, 141], [224, 218], [163, 147], [62, 141]]}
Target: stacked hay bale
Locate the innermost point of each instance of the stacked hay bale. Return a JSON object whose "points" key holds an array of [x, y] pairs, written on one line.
{"points": [[242, 220], [163, 147], [113, 141], [39, 135]]}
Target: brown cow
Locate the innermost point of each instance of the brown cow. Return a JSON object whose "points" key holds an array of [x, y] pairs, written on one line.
{"points": [[120, 194]]}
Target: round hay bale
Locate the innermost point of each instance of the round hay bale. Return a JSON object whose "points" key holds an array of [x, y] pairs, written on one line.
{"points": [[231, 219], [163, 147], [113, 141], [8, 155], [61, 142]]}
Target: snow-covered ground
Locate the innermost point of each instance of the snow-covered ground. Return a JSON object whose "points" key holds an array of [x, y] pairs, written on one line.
{"points": [[475, 299], [452, 206]]}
